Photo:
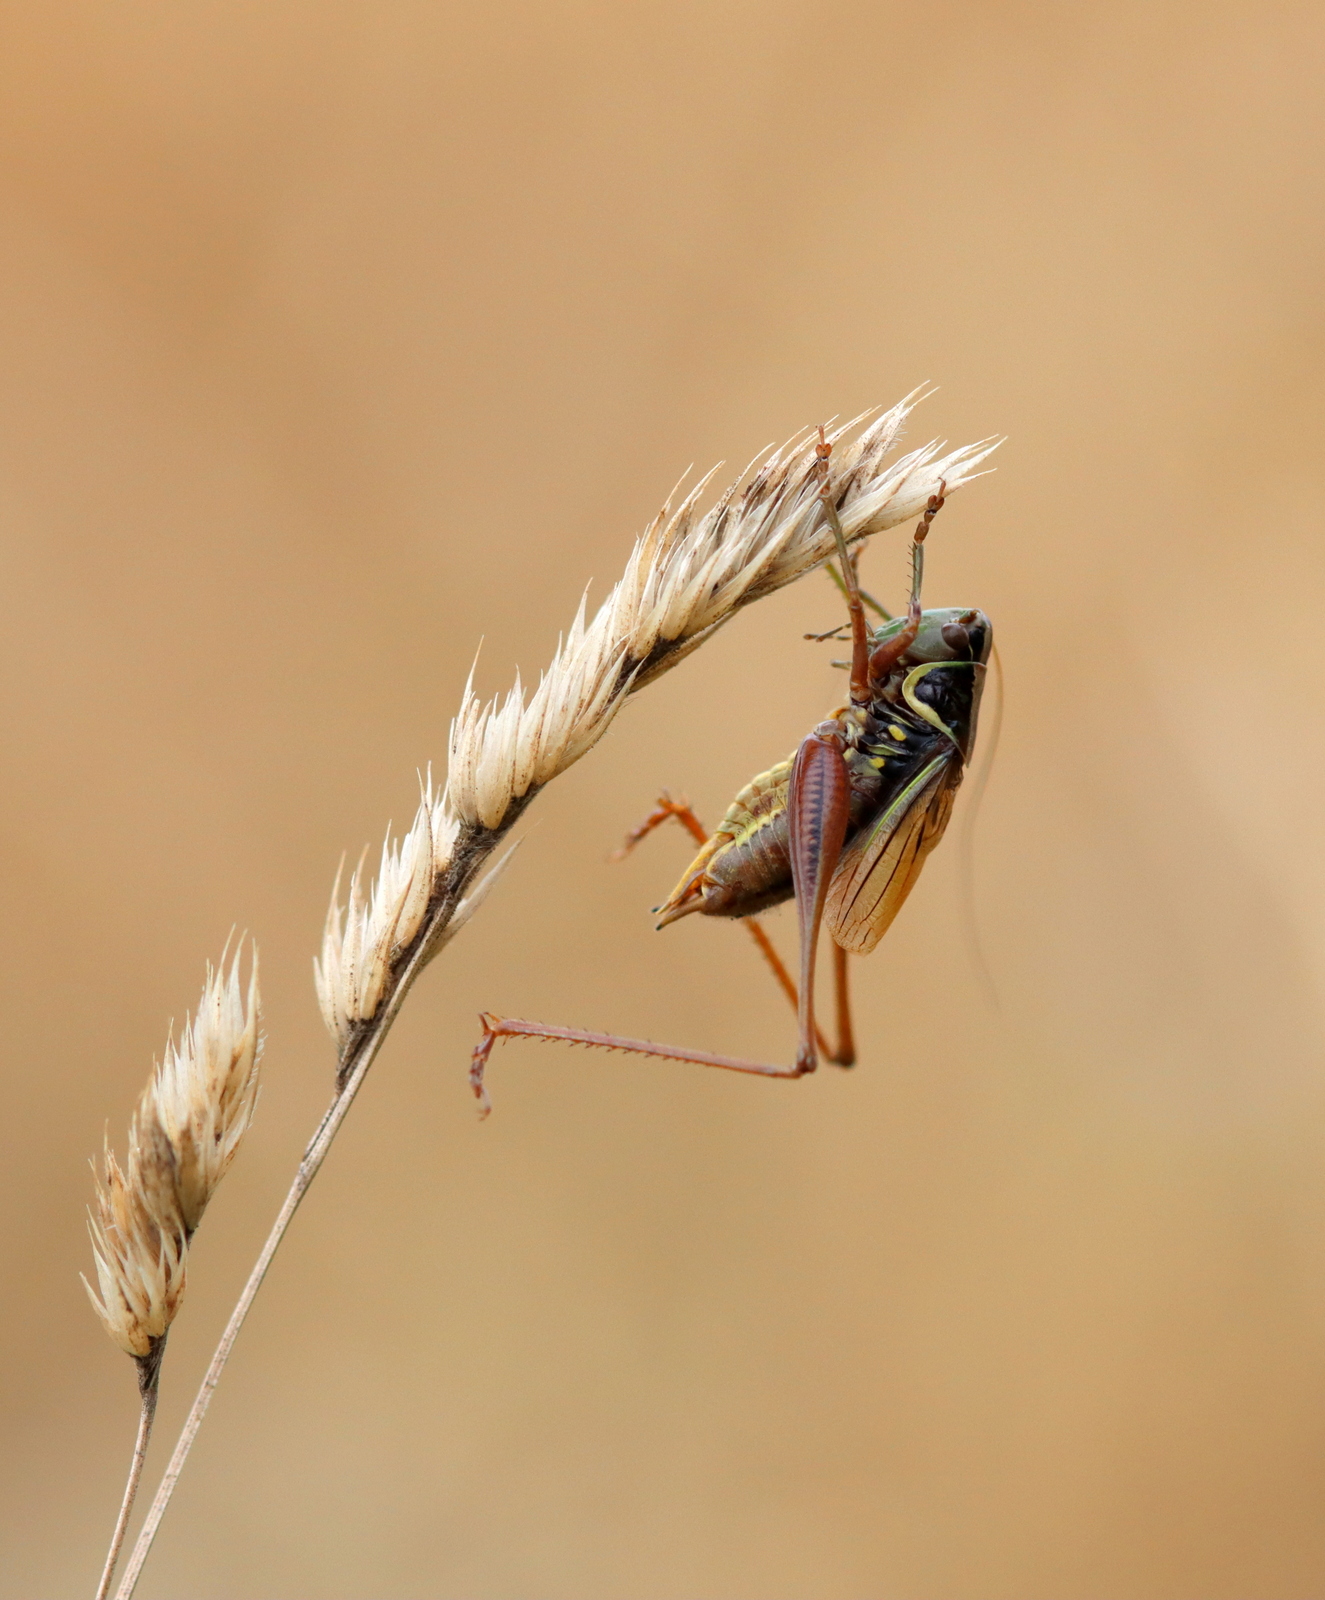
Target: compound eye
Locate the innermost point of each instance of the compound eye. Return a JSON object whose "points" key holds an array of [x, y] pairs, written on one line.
{"points": [[957, 639]]}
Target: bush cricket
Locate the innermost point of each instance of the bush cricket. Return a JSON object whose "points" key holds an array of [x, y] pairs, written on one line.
{"points": [[843, 825]]}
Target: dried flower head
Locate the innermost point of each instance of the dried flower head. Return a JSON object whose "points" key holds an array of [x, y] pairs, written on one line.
{"points": [[688, 574], [183, 1136], [365, 940]]}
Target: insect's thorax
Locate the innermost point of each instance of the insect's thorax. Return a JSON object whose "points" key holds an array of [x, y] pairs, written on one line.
{"points": [[887, 745]]}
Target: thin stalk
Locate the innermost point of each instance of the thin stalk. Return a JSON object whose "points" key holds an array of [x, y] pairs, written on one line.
{"points": [[865, 595], [149, 1385], [362, 1054]]}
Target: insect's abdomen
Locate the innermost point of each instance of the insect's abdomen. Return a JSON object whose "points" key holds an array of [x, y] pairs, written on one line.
{"points": [[744, 867]]}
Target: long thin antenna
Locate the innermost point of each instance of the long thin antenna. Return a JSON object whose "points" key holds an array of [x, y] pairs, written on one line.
{"points": [[966, 843]]}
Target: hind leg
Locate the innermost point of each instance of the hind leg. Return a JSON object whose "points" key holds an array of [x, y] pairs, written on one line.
{"points": [[818, 810], [845, 1053]]}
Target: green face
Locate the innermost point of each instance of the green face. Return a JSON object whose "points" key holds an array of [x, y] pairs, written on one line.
{"points": [[932, 645]]}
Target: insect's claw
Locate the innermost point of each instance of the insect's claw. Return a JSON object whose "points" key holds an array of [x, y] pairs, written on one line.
{"points": [[479, 1061]]}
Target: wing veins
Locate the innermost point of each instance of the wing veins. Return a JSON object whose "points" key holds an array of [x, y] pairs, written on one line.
{"points": [[897, 843]]}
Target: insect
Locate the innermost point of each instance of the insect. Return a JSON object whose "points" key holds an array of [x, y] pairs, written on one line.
{"points": [[843, 825]]}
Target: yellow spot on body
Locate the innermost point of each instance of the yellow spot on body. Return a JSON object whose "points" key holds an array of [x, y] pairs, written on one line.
{"points": [[898, 733], [876, 762]]}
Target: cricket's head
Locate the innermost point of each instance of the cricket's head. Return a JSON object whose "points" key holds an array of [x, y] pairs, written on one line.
{"points": [[942, 674]]}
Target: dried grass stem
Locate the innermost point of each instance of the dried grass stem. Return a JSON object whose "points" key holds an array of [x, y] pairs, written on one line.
{"points": [[149, 1386]]}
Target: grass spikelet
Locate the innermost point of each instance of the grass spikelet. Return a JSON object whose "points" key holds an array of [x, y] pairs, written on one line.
{"points": [[184, 1134], [139, 1261], [363, 939]]}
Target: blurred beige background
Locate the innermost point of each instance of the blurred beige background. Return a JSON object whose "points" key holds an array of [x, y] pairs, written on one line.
{"points": [[339, 336]]}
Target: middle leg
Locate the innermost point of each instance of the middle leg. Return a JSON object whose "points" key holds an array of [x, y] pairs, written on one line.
{"points": [[845, 1054]]}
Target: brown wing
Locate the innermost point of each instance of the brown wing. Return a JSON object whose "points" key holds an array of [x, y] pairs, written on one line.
{"points": [[880, 866]]}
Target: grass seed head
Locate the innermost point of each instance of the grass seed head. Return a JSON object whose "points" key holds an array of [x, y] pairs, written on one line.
{"points": [[184, 1134], [363, 939]]}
